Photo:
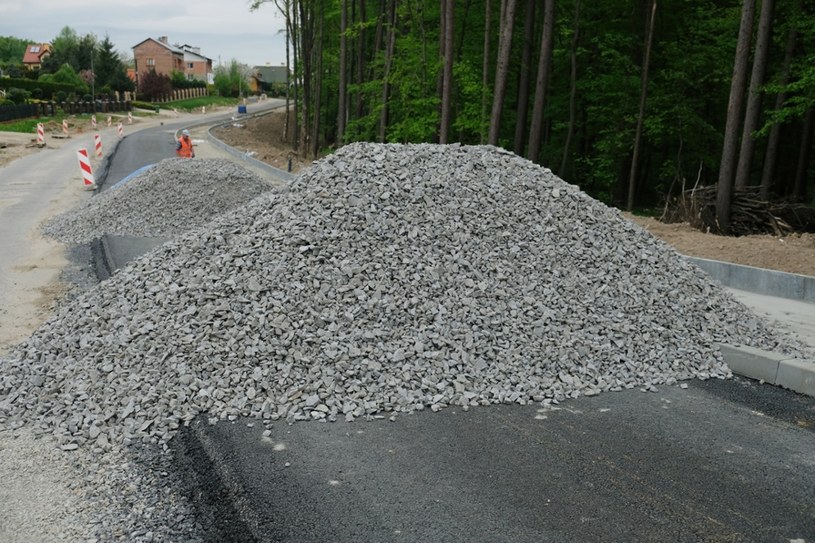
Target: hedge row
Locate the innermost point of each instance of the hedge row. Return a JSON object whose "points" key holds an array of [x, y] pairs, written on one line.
{"points": [[48, 89]]}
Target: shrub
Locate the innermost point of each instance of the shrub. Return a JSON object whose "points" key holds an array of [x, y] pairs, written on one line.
{"points": [[61, 96], [17, 96]]}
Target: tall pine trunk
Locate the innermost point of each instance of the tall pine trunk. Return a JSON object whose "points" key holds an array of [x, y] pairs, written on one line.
{"points": [[485, 69], [724, 193], [343, 82], [318, 85], [632, 176], [572, 91], [386, 91], [804, 155], [751, 115], [771, 154], [523, 79], [502, 69], [542, 81], [447, 70]]}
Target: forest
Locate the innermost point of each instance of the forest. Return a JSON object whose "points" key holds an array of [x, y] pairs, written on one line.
{"points": [[633, 101]]}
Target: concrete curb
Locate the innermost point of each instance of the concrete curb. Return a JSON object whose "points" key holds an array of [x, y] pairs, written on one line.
{"points": [[790, 373], [758, 280]]}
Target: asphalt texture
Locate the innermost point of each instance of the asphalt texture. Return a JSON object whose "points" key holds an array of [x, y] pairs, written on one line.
{"points": [[720, 461]]}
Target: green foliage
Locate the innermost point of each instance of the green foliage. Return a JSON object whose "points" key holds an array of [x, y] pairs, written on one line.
{"points": [[17, 96], [48, 89], [230, 80], [66, 75], [12, 50]]}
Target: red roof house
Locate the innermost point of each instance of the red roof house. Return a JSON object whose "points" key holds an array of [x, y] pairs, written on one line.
{"points": [[34, 54]]}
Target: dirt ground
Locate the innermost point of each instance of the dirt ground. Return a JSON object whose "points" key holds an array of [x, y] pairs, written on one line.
{"points": [[263, 136]]}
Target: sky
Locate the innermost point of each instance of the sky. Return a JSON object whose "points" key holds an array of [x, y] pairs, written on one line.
{"points": [[222, 29]]}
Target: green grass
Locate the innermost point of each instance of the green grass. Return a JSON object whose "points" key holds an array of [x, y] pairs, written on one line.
{"points": [[196, 103], [29, 125]]}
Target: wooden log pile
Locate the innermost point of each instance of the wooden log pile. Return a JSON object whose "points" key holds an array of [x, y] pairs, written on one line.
{"points": [[749, 213]]}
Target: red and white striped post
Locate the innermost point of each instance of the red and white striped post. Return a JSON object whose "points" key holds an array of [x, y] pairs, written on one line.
{"points": [[97, 143], [203, 109], [109, 120], [129, 118], [85, 167], [40, 134], [65, 126], [120, 129], [93, 121]]}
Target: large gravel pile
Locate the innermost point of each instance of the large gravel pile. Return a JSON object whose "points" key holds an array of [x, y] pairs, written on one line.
{"points": [[171, 197], [390, 278]]}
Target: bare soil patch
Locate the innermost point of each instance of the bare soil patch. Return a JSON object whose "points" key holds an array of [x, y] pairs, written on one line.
{"points": [[263, 136]]}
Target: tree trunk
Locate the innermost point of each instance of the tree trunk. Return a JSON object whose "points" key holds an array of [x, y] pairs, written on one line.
{"points": [[447, 71], [361, 61], [343, 83], [542, 81], [771, 153], [318, 92], [572, 91], [383, 118], [632, 176], [502, 69], [523, 80], [804, 155], [485, 70], [297, 58], [734, 108], [754, 94]]}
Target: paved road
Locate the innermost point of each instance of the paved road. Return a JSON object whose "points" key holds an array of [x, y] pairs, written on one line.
{"points": [[720, 461]]}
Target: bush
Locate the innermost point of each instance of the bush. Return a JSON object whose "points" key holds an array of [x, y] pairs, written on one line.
{"points": [[37, 93], [17, 96], [48, 89], [87, 98], [61, 96]]}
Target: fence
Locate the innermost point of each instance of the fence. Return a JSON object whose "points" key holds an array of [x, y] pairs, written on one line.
{"points": [[9, 112], [181, 94]]}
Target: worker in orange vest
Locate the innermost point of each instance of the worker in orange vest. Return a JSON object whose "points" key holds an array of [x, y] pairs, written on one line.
{"points": [[184, 147]]}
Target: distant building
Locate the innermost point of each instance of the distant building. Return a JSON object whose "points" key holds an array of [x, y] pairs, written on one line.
{"points": [[159, 55], [34, 55], [268, 79]]}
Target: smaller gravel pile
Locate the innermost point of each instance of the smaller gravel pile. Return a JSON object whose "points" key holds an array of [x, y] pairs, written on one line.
{"points": [[170, 198]]}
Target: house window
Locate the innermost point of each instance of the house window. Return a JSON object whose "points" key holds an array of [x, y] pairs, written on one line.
{"points": [[190, 65], [151, 62], [35, 48]]}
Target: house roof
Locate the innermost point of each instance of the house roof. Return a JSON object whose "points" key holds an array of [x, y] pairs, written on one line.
{"points": [[172, 48], [34, 52], [270, 74]]}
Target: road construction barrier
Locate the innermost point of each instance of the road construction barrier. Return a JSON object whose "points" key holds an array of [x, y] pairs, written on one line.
{"points": [[93, 121], [120, 129], [203, 109], [129, 118], [85, 167], [97, 143], [110, 120], [40, 134], [65, 126]]}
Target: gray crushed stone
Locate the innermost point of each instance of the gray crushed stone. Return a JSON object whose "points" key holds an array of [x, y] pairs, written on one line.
{"points": [[389, 279], [171, 197]]}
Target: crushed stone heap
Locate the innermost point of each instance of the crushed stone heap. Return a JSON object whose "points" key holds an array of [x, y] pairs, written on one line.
{"points": [[390, 278], [171, 197]]}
